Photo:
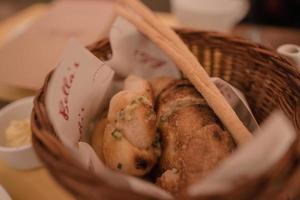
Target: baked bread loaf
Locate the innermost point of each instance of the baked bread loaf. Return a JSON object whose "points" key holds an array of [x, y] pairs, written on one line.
{"points": [[129, 141], [193, 139]]}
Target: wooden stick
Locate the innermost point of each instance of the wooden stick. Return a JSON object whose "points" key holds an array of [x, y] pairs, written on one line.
{"points": [[193, 71]]}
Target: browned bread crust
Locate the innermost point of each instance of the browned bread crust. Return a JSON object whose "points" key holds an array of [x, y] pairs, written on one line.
{"points": [[193, 139]]}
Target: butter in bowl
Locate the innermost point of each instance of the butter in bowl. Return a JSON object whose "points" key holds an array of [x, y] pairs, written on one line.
{"points": [[15, 135]]}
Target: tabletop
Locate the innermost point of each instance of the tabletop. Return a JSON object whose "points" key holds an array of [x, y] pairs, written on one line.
{"points": [[36, 183], [31, 184]]}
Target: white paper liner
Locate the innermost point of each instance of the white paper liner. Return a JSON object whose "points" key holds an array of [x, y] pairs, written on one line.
{"points": [[83, 84], [133, 53], [75, 93]]}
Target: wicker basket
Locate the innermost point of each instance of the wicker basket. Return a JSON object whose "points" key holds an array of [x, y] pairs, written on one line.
{"points": [[267, 80]]}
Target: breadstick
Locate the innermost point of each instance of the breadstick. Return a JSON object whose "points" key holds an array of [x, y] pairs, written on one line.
{"points": [[193, 70]]}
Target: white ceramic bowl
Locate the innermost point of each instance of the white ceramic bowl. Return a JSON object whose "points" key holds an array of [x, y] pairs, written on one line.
{"points": [[211, 15], [291, 52], [22, 157]]}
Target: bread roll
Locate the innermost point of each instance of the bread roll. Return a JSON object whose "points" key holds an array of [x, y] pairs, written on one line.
{"points": [[130, 138], [158, 84], [193, 139]]}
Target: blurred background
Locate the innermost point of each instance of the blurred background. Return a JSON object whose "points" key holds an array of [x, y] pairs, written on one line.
{"points": [[272, 17], [35, 31], [275, 12], [282, 12]]}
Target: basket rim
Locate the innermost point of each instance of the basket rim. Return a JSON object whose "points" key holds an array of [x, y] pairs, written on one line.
{"points": [[43, 135]]}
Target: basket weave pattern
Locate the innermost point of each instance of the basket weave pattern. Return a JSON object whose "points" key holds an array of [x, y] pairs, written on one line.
{"points": [[267, 80]]}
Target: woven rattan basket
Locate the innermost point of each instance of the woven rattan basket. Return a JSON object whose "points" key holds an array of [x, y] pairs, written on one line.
{"points": [[268, 82]]}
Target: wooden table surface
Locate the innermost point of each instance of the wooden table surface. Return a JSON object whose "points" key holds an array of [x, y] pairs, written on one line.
{"points": [[34, 184]]}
